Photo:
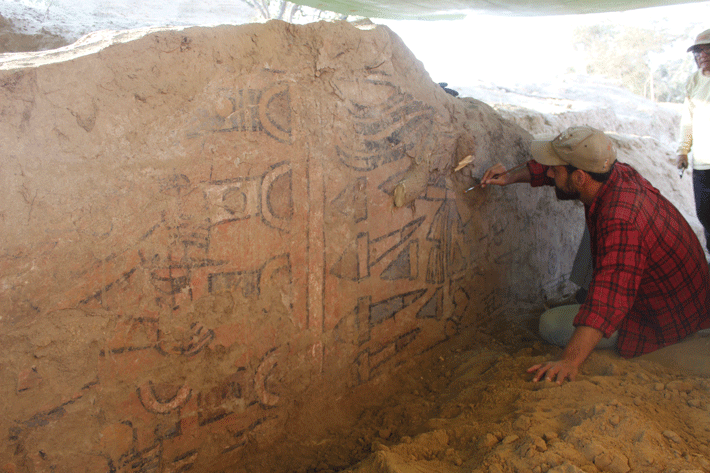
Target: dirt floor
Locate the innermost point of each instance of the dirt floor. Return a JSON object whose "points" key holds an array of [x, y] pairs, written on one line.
{"points": [[470, 406]]}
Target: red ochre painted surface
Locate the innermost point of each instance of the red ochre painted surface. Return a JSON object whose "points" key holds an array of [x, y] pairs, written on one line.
{"points": [[204, 293]]}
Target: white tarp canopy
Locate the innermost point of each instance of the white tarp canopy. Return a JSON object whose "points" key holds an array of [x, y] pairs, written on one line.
{"points": [[441, 9]]}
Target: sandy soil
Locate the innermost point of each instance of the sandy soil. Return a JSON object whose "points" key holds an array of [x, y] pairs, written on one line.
{"points": [[470, 406]]}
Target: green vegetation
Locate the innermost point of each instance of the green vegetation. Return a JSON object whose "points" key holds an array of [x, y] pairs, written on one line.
{"points": [[652, 63]]}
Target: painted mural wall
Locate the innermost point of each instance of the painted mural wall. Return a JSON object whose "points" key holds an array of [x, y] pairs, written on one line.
{"points": [[198, 226]]}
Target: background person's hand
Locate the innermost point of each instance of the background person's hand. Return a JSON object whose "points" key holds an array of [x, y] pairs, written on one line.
{"points": [[682, 162]]}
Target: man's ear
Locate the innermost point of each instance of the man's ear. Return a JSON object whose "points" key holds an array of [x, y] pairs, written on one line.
{"points": [[579, 177]]}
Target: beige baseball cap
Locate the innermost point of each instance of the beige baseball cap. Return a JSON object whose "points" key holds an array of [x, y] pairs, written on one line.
{"points": [[702, 38], [583, 147]]}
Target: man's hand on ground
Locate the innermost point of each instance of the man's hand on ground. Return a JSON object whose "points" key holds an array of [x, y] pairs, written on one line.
{"points": [[583, 341], [556, 371]]}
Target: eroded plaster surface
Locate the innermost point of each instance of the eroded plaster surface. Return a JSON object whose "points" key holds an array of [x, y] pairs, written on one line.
{"points": [[199, 226]]}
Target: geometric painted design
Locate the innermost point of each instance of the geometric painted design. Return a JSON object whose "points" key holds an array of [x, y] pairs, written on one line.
{"points": [[357, 259]]}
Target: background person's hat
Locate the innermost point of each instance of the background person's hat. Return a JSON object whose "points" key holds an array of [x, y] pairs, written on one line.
{"points": [[703, 38], [583, 147]]}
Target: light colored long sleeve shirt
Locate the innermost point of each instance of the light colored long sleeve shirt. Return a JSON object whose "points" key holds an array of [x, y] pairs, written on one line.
{"points": [[695, 121]]}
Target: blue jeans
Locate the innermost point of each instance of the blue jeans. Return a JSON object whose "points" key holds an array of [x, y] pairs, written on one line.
{"points": [[701, 190]]}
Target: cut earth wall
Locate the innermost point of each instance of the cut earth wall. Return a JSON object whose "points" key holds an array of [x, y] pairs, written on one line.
{"points": [[199, 225]]}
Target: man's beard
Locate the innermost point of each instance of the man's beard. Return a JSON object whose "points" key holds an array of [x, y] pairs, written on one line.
{"points": [[564, 195]]}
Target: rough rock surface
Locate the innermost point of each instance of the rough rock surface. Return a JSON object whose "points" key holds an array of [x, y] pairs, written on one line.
{"points": [[201, 244], [644, 131]]}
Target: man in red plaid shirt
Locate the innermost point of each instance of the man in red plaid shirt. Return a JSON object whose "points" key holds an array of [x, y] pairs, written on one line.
{"points": [[650, 283]]}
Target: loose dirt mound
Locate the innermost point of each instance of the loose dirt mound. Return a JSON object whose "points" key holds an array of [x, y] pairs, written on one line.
{"points": [[469, 406]]}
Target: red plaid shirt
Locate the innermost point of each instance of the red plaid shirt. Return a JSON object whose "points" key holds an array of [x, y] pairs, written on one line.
{"points": [[650, 280]]}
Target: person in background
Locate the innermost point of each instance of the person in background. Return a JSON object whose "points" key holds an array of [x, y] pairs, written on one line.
{"points": [[650, 283], [695, 129]]}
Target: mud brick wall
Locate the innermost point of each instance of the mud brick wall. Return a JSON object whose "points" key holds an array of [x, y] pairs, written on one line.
{"points": [[199, 225]]}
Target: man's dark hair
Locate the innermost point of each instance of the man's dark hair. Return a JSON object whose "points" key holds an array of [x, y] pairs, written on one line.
{"points": [[597, 176]]}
